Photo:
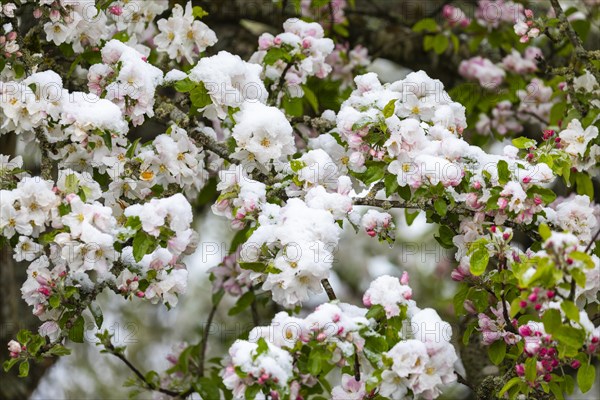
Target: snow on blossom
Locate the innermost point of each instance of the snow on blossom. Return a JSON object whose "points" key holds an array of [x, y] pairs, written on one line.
{"points": [[391, 293], [173, 158], [229, 81], [127, 79], [302, 240], [181, 36], [272, 366], [262, 133], [241, 198]]}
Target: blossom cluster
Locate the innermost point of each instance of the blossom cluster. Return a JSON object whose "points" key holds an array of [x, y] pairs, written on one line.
{"points": [[294, 55], [420, 359], [181, 36], [127, 79]]}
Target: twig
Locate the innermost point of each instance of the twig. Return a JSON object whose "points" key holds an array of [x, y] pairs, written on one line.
{"points": [[112, 350], [580, 51], [356, 366], [254, 311], [273, 95], [328, 289], [591, 243], [461, 379], [205, 334]]}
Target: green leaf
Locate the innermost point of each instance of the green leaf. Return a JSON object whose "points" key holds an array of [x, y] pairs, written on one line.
{"points": [[253, 266], [440, 206], [76, 331], [252, 391], [97, 314], [497, 352], [375, 312], [389, 108], [8, 364], [503, 172], [273, 55], [523, 143], [185, 85], [292, 105], [427, 24], [143, 244], [311, 98], [440, 43], [514, 381], [571, 310], [198, 12], [54, 301], [375, 172], [584, 184], [391, 184], [58, 350], [24, 369], [531, 369], [376, 344], [314, 363], [547, 195], [263, 347], [410, 217], [586, 376], [552, 320], [199, 96], [479, 260], [570, 336], [71, 183], [243, 302], [207, 388], [545, 231], [445, 237]]}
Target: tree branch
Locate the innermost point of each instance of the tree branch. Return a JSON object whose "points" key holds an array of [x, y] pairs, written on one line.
{"points": [[110, 348], [328, 289], [205, 334]]}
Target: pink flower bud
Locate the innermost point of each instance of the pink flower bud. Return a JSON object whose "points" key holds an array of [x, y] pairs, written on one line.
{"points": [[37, 13], [523, 304], [520, 369], [11, 35], [575, 364], [14, 347], [140, 294], [367, 301], [529, 13], [538, 307], [525, 330], [533, 297], [476, 185], [469, 307], [404, 278], [550, 294], [115, 10], [527, 179]]}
